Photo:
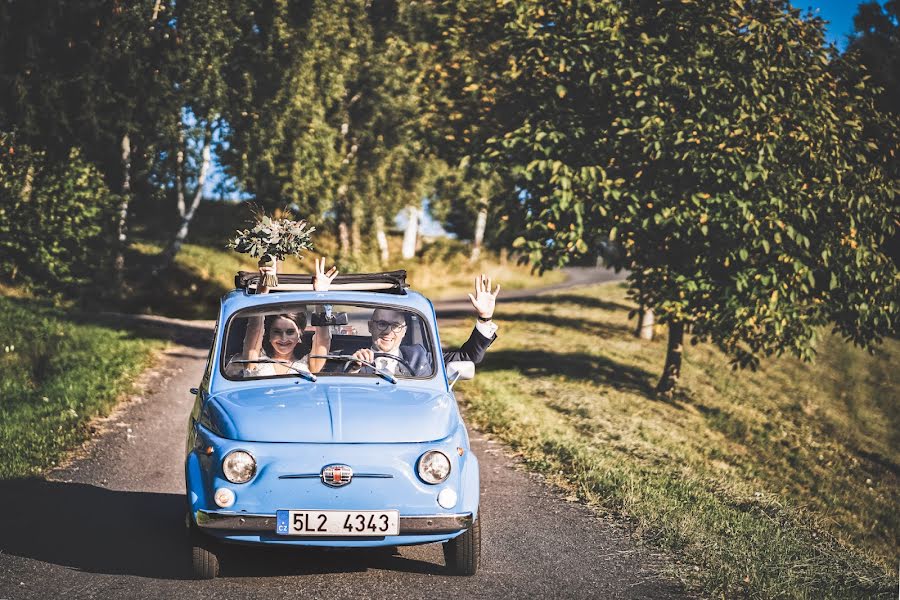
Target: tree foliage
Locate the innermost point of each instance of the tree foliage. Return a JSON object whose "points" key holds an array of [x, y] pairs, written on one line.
{"points": [[718, 141], [876, 43], [326, 112], [55, 219]]}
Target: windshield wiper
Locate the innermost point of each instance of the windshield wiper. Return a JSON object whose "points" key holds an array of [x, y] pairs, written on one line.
{"points": [[304, 374], [347, 358]]}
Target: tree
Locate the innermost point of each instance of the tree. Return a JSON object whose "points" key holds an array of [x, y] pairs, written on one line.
{"points": [[54, 218], [465, 201], [876, 42], [325, 114], [717, 141], [204, 35], [875, 46], [84, 75]]}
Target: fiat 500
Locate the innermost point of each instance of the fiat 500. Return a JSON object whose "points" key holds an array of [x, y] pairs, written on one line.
{"points": [[321, 449]]}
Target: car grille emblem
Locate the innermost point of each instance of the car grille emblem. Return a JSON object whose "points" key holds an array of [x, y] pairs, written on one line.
{"points": [[337, 475]]}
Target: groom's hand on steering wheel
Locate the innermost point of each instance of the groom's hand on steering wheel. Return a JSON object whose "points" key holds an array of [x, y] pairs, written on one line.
{"points": [[365, 354]]}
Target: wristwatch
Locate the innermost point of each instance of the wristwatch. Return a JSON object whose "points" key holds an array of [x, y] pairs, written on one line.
{"points": [[483, 319]]}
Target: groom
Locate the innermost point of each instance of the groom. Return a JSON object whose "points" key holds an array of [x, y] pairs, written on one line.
{"points": [[388, 328]]}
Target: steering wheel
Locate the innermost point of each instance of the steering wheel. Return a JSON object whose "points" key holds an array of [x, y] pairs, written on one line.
{"points": [[399, 359]]}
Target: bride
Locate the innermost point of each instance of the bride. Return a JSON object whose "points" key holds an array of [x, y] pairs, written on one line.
{"points": [[278, 337]]}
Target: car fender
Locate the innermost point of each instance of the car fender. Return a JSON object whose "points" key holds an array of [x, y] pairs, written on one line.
{"points": [[194, 484]]}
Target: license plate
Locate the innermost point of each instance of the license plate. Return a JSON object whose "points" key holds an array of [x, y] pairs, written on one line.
{"points": [[341, 523]]}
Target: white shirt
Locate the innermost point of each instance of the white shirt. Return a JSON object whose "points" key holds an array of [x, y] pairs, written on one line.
{"points": [[387, 364], [486, 328]]}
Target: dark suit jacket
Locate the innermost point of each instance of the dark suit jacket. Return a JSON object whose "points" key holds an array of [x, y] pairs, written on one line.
{"points": [[420, 361]]}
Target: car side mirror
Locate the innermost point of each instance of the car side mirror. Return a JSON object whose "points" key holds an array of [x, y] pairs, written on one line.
{"points": [[460, 370]]}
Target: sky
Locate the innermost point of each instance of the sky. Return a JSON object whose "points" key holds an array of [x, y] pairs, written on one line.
{"points": [[839, 13]]}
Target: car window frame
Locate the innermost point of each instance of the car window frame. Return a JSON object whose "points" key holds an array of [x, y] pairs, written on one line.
{"points": [[362, 304]]}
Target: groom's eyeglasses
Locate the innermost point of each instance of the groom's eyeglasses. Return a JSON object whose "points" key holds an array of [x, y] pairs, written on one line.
{"points": [[385, 325]]}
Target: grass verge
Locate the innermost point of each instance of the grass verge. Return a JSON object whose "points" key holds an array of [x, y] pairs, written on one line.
{"points": [[57, 371], [781, 483]]}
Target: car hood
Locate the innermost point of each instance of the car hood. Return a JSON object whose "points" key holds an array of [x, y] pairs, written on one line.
{"points": [[326, 413]]}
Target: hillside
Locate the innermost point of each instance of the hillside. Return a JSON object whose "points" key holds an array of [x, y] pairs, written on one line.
{"points": [[781, 483]]}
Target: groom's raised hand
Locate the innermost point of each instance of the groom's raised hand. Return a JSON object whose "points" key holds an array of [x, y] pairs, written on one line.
{"points": [[484, 300]]}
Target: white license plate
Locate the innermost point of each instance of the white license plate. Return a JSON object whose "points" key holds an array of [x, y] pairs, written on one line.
{"points": [[341, 523]]}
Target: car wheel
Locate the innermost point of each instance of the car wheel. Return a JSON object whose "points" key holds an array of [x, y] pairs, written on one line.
{"points": [[204, 559], [463, 553]]}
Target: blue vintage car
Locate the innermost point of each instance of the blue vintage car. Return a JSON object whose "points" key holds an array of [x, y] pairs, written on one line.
{"points": [[324, 450]]}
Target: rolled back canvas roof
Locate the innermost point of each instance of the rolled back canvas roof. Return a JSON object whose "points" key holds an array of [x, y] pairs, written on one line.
{"points": [[389, 282]]}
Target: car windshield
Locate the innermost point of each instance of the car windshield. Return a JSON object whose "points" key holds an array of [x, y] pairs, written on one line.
{"points": [[291, 340]]}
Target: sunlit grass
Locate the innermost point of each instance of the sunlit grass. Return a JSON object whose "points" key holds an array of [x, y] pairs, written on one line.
{"points": [[779, 483], [57, 371]]}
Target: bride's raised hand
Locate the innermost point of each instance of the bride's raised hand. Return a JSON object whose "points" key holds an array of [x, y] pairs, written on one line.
{"points": [[322, 279], [263, 273]]}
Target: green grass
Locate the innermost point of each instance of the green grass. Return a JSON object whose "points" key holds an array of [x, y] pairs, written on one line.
{"points": [[57, 371], [781, 483]]}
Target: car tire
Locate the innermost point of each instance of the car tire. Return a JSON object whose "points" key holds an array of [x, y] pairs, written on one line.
{"points": [[204, 558], [462, 554]]}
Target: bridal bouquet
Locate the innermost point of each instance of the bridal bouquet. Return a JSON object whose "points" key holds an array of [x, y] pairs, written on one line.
{"points": [[272, 239]]}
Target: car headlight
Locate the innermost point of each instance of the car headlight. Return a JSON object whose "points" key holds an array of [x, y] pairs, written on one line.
{"points": [[239, 466], [433, 467]]}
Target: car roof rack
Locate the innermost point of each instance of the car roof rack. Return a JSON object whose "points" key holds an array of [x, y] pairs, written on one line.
{"points": [[389, 282]]}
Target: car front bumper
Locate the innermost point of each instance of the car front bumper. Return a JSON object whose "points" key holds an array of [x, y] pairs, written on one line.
{"points": [[265, 524]]}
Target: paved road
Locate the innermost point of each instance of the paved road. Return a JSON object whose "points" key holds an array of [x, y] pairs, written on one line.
{"points": [[109, 525], [575, 277]]}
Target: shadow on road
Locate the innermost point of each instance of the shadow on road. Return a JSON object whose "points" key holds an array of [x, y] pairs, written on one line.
{"points": [[94, 529], [97, 530], [243, 561]]}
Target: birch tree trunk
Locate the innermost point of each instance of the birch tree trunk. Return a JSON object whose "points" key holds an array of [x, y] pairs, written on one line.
{"points": [[646, 320], [179, 174], [344, 238], [356, 218], [478, 239], [645, 316], [380, 237], [412, 231], [187, 214], [344, 213], [122, 229]]}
